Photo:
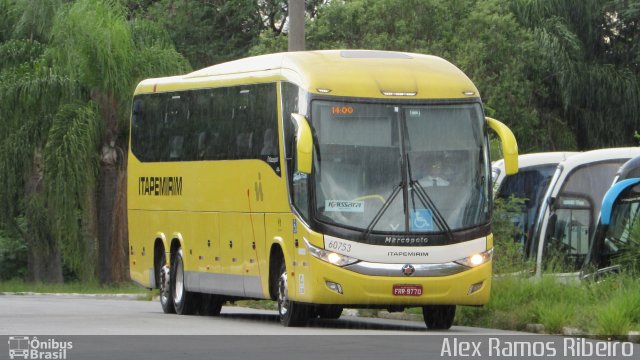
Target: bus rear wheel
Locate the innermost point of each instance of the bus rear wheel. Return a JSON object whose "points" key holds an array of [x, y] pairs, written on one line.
{"points": [[210, 304], [185, 302], [291, 313], [166, 297], [438, 317]]}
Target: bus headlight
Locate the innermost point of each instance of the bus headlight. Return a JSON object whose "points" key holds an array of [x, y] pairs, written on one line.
{"points": [[330, 256], [476, 259]]}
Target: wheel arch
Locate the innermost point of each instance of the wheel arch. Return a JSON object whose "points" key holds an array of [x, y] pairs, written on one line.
{"points": [[176, 243], [158, 253], [276, 258]]}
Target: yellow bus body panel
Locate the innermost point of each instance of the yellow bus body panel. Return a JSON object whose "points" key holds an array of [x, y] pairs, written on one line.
{"points": [[228, 215], [429, 77]]}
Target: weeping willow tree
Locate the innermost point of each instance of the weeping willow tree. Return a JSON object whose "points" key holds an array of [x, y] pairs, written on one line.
{"points": [[589, 64], [31, 92], [68, 108], [93, 43]]}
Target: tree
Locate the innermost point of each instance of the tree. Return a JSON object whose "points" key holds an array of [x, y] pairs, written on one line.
{"points": [[30, 94], [481, 37], [209, 32], [589, 65], [85, 76]]}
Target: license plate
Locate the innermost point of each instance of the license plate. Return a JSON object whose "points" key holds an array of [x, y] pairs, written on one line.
{"points": [[407, 290]]}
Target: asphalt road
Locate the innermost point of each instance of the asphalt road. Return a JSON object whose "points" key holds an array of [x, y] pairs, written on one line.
{"points": [[107, 328], [83, 315]]}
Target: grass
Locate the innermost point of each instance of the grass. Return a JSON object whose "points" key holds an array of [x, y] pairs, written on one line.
{"points": [[258, 304], [608, 308], [19, 286]]}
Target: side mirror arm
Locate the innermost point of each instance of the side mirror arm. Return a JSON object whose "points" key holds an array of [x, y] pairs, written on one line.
{"points": [[509, 145]]}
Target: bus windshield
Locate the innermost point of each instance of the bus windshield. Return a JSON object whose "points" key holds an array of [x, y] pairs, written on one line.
{"points": [[623, 233], [574, 209], [530, 185], [392, 168]]}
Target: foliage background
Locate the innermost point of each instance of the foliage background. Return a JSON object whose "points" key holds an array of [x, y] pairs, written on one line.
{"points": [[564, 75]]}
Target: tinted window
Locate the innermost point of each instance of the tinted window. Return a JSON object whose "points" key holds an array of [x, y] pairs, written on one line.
{"points": [[237, 122], [293, 100], [529, 184]]}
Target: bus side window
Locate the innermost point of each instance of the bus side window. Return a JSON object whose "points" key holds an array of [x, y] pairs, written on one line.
{"points": [[244, 145], [202, 145], [269, 143], [176, 121], [175, 148]]}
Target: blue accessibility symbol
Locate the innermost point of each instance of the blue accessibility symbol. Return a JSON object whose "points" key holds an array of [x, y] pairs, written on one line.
{"points": [[421, 220]]}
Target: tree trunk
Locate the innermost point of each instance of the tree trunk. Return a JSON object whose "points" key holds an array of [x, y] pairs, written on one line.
{"points": [[44, 265], [44, 262], [107, 183], [120, 243], [107, 186]]}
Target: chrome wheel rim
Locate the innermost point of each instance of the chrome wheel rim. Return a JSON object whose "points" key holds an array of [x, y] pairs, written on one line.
{"points": [[179, 290], [283, 298], [164, 286]]}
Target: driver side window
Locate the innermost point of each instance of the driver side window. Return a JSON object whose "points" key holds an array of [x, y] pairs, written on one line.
{"points": [[568, 241], [298, 181]]}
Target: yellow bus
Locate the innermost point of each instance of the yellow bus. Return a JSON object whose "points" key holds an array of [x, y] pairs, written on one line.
{"points": [[320, 180]]}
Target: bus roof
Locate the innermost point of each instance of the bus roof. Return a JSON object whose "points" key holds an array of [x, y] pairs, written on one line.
{"points": [[600, 155], [351, 73], [526, 161], [592, 157], [630, 169], [535, 159]]}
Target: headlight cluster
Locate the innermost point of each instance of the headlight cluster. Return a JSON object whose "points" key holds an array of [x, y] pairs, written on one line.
{"points": [[330, 256], [476, 259]]}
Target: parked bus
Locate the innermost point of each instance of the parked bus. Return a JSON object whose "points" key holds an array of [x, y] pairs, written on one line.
{"points": [[529, 184], [618, 229], [568, 214], [300, 177]]}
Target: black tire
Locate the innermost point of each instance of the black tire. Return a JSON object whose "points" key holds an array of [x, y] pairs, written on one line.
{"points": [[328, 311], [164, 278], [291, 313], [438, 317], [185, 302], [211, 305]]}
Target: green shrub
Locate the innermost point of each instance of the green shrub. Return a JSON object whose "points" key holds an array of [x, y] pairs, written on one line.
{"points": [[13, 256], [507, 252]]}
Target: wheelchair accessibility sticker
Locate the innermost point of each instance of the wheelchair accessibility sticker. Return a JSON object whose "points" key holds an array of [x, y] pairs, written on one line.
{"points": [[421, 220]]}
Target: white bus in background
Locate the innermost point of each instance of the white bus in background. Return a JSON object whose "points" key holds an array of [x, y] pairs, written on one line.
{"points": [[570, 207], [615, 232], [530, 183]]}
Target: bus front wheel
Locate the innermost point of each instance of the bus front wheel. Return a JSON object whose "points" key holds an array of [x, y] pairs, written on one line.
{"points": [[291, 313], [438, 317], [183, 301], [329, 311]]}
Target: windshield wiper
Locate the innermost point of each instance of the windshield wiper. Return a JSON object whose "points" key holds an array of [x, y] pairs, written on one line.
{"points": [[428, 203], [383, 209]]}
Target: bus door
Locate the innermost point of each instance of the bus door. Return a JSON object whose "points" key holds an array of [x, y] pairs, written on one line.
{"points": [[254, 253], [231, 253]]}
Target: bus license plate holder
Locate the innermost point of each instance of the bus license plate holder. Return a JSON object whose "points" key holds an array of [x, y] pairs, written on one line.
{"points": [[406, 290]]}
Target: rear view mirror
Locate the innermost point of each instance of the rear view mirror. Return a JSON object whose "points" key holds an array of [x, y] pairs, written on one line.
{"points": [[304, 143], [508, 143]]}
